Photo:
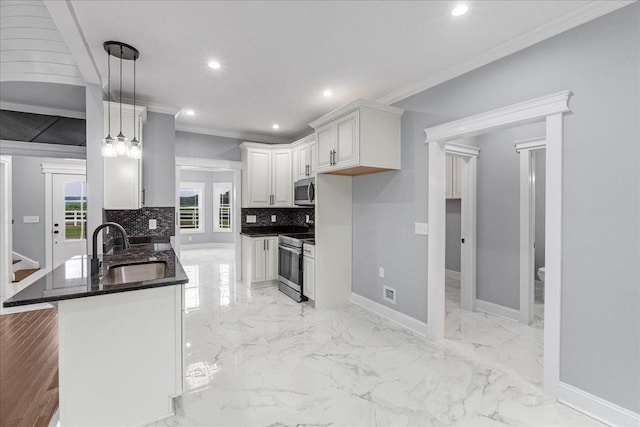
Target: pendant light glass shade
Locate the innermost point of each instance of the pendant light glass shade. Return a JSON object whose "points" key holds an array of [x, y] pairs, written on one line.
{"points": [[134, 151], [108, 149]]}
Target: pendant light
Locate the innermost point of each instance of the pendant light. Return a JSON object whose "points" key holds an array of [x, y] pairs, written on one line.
{"points": [[121, 145], [134, 150], [108, 150]]}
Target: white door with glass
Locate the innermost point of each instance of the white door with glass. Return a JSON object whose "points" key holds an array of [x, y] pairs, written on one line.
{"points": [[69, 217]]}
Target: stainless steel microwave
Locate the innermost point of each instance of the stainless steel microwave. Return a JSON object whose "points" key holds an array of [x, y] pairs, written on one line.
{"points": [[304, 192]]}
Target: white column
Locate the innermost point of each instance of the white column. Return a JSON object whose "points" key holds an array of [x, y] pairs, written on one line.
{"points": [[527, 230], [468, 252], [95, 174], [437, 241]]}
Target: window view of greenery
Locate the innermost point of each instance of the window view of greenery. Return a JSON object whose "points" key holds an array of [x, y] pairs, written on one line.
{"points": [[189, 208], [75, 211], [222, 206], [224, 214]]}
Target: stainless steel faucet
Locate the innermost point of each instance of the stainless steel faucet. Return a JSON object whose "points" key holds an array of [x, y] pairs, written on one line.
{"points": [[95, 263]]}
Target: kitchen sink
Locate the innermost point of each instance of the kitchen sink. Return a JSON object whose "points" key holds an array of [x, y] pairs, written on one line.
{"points": [[134, 272]]}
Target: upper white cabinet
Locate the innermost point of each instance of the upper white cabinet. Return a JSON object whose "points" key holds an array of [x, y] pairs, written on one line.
{"points": [[304, 155], [362, 137], [454, 177], [123, 175], [266, 176]]}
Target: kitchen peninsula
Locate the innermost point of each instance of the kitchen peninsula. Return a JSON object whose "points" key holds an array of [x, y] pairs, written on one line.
{"points": [[120, 335]]}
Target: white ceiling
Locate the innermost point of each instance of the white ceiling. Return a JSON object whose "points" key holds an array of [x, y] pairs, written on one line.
{"points": [[278, 56]]}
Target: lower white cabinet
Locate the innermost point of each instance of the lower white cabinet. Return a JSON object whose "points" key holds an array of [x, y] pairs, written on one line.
{"points": [[309, 272], [259, 259]]}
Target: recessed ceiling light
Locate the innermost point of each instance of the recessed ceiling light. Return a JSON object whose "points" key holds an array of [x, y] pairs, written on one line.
{"points": [[190, 113], [214, 64], [460, 10], [275, 126], [327, 92]]}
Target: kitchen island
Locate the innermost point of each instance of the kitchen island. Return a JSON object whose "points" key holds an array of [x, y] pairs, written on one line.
{"points": [[120, 335]]}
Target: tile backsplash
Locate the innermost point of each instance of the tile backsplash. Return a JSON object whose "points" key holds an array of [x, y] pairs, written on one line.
{"points": [[284, 216], [136, 222]]}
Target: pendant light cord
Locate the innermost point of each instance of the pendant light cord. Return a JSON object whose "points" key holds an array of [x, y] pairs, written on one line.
{"points": [[109, 89], [121, 53], [134, 99]]}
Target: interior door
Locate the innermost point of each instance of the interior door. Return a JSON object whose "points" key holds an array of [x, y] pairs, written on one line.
{"points": [[69, 218]]}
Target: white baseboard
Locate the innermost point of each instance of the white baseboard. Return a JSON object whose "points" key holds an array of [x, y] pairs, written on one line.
{"points": [[207, 246], [408, 322], [452, 274], [596, 407], [498, 310]]}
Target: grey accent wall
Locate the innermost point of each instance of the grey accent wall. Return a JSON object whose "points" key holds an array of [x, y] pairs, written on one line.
{"points": [[600, 63], [208, 236], [159, 160], [198, 145], [498, 215], [28, 197], [453, 248], [541, 163]]}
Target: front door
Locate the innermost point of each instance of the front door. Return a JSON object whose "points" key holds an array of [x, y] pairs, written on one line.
{"points": [[69, 219]]}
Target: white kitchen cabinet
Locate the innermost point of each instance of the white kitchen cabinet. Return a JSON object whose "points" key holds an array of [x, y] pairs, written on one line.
{"points": [[259, 259], [304, 155], [454, 177], [123, 175], [309, 272], [362, 137], [266, 176]]}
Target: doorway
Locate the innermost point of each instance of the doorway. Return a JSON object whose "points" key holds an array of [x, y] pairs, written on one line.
{"points": [[69, 217], [548, 109]]}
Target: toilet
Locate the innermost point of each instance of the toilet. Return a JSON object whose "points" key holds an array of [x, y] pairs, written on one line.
{"points": [[541, 273]]}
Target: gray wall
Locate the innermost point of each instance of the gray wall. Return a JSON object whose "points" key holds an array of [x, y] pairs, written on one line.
{"points": [[207, 146], [208, 236], [454, 223], [498, 215], [159, 160], [541, 167], [599, 62]]}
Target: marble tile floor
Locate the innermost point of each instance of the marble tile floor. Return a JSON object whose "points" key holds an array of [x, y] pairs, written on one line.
{"points": [[497, 341], [257, 358]]}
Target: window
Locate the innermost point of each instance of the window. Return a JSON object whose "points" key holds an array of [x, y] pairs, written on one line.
{"points": [[222, 206], [191, 207], [75, 210]]}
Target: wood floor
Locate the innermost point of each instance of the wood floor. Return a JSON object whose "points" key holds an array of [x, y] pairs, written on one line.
{"points": [[28, 368]]}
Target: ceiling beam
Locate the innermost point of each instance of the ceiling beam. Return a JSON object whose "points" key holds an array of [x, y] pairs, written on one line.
{"points": [[66, 20]]}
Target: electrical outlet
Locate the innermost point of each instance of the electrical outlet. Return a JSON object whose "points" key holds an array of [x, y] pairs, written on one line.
{"points": [[389, 294], [153, 224], [422, 228], [381, 271], [190, 238], [306, 219], [251, 219], [273, 218]]}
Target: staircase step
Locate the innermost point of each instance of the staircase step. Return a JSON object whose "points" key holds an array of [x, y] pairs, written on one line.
{"points": [[15, 261], [22, 274]]}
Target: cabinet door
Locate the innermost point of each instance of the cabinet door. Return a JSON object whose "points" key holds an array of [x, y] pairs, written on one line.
{"points": [[347, 139], [457, 165], [303, 162], [259, 267], [271, 258], [325, 140], [308, 278], [281, 188], [313, 158], [259, 177]]}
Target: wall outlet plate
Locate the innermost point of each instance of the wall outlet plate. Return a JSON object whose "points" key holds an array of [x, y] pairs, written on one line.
{"points": [[153, 224], [422, 228], [381, 271], [273, 218], [251, 219], [306, 218]]}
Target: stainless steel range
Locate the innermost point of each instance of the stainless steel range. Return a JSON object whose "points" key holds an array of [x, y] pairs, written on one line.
{"points": [[290, 264]]}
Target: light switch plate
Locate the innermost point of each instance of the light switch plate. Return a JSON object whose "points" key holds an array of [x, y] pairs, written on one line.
{"points": [[153, 224], [422, 228], [30, 219], [381, 271], [251, 219], [273, 218]]}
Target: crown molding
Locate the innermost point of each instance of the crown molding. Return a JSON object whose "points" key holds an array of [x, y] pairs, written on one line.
{"points": [[534, 109], [151, 106], [581, 15], [35, 109], [461, 149], [531, 144], [358, 103], [233, 134]]}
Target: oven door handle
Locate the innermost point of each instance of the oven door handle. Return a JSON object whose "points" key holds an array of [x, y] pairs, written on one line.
{"points": [[293, 250]]}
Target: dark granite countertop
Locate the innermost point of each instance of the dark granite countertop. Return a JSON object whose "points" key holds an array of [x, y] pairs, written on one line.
{"points": [[260, 231], [73, 280]]}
